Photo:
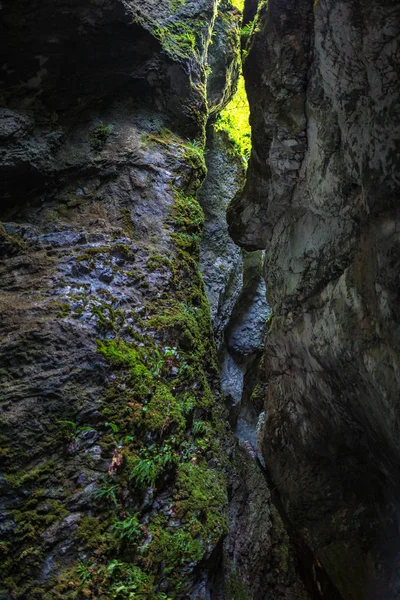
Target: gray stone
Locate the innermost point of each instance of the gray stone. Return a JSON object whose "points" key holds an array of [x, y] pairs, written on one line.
{"points": [[322, 198]]}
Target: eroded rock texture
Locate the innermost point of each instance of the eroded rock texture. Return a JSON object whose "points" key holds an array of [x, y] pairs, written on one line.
{"points": [[258, 560], [220, 259], [120, 477], [115, 453], [322, 198]]}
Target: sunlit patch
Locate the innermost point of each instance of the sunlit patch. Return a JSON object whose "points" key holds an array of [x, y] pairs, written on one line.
{"points": [[234, 121]]}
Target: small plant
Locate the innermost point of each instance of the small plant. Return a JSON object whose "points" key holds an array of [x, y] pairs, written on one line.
{"points": [[169, 352], [74, 427], [149, 468], [199, 427], [158, 363], [71, 432], [145, 472], [194, 151], [119, 440], [107, 491], [188, 402], [83, 571], [99, 136], [129, 528], [247, 30], [178, 39]]}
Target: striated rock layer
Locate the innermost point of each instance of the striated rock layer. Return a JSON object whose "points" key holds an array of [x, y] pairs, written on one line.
{"points": [[322, 198]]}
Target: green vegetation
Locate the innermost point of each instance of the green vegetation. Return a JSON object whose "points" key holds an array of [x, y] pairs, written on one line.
{"points": [[157, 261], [11, 241], [161, 428], [191, 151], [235, 589], [99, 136], [239, 4], [246, 31], [234, 122], [178, 39], [115, 580], [128, 528], [201, 500], [252, 27]]}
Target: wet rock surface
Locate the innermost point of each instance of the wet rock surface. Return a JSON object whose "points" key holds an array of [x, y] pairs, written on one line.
{"points": [[323, 85]]}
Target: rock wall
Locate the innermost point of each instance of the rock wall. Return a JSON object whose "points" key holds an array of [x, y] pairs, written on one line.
{"points": [[322, 198], [120, 476], [113, 439], [258, 560], [220, 259]]}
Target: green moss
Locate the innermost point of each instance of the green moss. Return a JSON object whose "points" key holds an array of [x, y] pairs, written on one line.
{"points": [[177, 4], [191, 152], [163, 412], [163, 425], [187, 214], [171, 548], [201, 501], [194, 157], [107, 318], [235, 588], [281, 540], [12, 241], [21, 555], [122, 354], [178, 39], [91, 531], [32, 522], [35, 475], [99, 136], [92, 252], [126, 218], [65, 310], [157, 261]]}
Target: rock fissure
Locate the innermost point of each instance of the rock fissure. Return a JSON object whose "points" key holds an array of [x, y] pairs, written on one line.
{"points": [[166, 432]]}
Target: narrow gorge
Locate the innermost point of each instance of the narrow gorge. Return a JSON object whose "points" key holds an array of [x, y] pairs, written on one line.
{"points": [[199, 300]]}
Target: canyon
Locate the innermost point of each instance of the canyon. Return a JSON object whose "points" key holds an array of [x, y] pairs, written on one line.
{"points": [[199, 344]]}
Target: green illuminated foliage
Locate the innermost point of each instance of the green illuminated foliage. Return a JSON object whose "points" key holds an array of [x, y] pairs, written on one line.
{"points": [[234, 121], [239, 4]]}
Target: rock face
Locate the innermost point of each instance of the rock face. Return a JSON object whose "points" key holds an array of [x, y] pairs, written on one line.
{"points": [[321, 198], [113, 439], [120, 476], [258, 559], [220, 259]]}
